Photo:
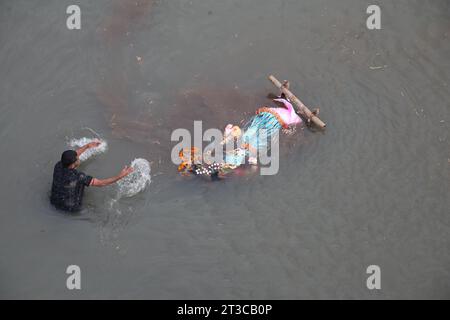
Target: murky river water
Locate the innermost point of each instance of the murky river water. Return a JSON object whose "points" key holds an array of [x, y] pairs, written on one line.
{"points": [[372, 189]]}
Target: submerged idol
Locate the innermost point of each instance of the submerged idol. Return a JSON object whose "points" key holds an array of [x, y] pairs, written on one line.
{"points": [[256, 137]]}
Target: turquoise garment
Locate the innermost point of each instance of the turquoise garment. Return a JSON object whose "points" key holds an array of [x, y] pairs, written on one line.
{"points": [[254, 137], [252, 133], [235, 158]]}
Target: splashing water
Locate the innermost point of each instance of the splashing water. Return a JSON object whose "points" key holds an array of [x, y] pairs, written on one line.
{"points": [[136, 181], [78, 143]]}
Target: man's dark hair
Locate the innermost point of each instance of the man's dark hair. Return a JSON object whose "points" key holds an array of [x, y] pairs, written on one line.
{"points": [[68, 157]]}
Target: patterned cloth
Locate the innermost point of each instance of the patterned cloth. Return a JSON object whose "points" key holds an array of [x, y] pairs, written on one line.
{"points": [[253, 137], [253, 134], [68, 188]]}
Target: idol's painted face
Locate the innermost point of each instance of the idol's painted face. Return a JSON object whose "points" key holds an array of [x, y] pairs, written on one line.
{"points": [[236, 132]]}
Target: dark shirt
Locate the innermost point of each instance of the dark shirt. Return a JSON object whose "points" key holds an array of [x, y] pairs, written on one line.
{"points": [[68, 187]]}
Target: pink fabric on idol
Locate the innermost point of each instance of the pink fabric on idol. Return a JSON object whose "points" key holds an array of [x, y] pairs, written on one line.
{"points": [[289, 116]]}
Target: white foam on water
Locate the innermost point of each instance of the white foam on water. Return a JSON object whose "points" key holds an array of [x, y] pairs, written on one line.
{"points": [[136, 181], [78, 143]]}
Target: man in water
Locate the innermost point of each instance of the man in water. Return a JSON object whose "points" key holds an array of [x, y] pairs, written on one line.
{"points": [[68, 183]]}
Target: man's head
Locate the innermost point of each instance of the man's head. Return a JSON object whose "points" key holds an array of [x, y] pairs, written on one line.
{"points": [[69, 159]]}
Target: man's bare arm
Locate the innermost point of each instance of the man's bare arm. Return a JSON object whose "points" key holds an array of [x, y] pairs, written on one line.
{"points": [[106, 182], [90, 145]]}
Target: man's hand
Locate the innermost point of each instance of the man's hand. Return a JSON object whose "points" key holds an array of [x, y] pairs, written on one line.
{"points": [[106, 182], [126, 171], [93, 144]]}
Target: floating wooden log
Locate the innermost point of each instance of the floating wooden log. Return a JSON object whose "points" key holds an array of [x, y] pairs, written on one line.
{"points": [[301, 108]]}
